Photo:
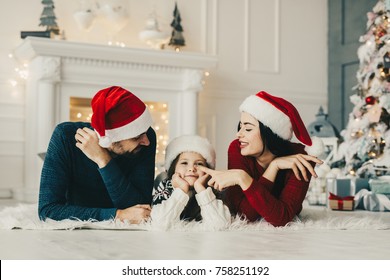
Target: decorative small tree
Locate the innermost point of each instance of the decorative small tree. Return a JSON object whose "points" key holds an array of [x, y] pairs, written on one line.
{"points": [[177, 39], [48, 17]]}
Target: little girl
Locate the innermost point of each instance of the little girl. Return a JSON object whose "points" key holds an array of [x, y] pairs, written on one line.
{"points": [[184, 194]]}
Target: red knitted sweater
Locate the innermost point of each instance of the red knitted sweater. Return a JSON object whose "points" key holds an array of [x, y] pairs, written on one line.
{"points": [[277, 202]]}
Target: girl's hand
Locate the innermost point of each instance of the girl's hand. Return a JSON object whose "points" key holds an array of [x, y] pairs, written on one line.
{"points": [[227, 178], [299, 163], [179, 182], [200, 183]]}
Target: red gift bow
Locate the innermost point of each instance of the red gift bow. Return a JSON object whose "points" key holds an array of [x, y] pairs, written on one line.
{"points": [[340, 199], [333, 196]]}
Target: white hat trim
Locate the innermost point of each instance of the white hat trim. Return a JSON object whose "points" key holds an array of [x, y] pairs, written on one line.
{"points": [[128, 131], [269, 115], [190, 143]]}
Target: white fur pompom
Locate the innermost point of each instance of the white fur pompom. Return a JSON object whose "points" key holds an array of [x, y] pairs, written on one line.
{"points": [[105, 142], [317, 147]]}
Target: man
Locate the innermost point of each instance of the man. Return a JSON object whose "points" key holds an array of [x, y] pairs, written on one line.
{"points": [[103, 170]]}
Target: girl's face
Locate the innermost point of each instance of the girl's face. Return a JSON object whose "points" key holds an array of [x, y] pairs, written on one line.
{"points": [[187, 166], [251, 143]]}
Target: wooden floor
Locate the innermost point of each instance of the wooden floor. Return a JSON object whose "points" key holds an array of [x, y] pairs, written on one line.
{"points": [[85, 244], [108, 244]]}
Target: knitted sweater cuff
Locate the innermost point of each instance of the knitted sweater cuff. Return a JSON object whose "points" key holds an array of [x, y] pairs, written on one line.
{"points": [[180, 196], [205, 197]]}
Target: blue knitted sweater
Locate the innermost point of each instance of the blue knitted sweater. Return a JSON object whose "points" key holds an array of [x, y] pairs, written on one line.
{"points": [[73, 187]]}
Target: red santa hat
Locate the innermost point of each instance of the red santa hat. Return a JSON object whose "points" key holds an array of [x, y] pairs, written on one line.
{"points": [[282, 118], [118, 115], [189, 143]]}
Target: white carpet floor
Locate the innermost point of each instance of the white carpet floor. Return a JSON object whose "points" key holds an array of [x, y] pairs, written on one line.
{"points": [[322, 234]]}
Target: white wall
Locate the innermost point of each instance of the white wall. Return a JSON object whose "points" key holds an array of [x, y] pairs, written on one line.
{"points": [[275, 45]]}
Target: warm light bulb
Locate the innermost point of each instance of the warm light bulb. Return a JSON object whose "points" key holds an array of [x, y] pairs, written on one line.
{"points": [[13, 83]]}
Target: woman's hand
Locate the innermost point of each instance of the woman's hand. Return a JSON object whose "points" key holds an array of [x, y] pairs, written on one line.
{"points": [[298, 163], [88, 143], [179, 182], [227, 178]]}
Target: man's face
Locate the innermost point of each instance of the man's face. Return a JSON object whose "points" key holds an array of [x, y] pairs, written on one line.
{"points": [[130, 146]]}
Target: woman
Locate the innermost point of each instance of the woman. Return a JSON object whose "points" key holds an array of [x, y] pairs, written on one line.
{"points": [[268, 175]]}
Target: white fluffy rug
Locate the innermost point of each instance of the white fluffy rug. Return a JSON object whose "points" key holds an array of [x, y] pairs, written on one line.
{"points": [[24, 216]]}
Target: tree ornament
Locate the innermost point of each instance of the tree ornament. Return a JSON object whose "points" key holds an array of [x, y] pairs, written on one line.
{"points": [[370, 100]]}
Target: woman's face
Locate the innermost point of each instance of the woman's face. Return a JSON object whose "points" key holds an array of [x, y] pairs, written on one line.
{"points": [[251, 143], [187, 166]]}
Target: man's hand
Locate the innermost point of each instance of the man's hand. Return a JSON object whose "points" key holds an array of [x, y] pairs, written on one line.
{"points": [[88, 143], [135, 214]]}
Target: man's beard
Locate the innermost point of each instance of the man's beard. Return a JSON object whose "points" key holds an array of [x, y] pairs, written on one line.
{"points": [[131, 154]]}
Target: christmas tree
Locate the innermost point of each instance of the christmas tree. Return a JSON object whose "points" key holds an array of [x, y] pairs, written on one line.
{"points": [[48, 17], [365, 151], [177, 39]]}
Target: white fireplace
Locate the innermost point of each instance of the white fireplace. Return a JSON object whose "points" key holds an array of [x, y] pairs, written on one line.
{"points": [[62, 72]]}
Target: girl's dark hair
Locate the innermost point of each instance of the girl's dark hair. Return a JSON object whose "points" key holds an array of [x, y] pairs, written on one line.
{"points": [[172, 168], [274, 143]]}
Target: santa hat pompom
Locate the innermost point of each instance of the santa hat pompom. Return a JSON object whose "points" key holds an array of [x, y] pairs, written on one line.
{"points": [[105, 142], [317, 147]]}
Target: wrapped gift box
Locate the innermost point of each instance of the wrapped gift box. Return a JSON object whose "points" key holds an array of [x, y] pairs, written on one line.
{"points": [[341, 203], [380, 186], [346, 187]]}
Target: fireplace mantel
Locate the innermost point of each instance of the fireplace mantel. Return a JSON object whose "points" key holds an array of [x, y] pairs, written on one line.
{"points": [[59, 70], [33, 47]]}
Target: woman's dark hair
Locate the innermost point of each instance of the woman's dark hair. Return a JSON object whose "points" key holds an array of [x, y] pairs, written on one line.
{"points": [[274, 143], [172, 168]]}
